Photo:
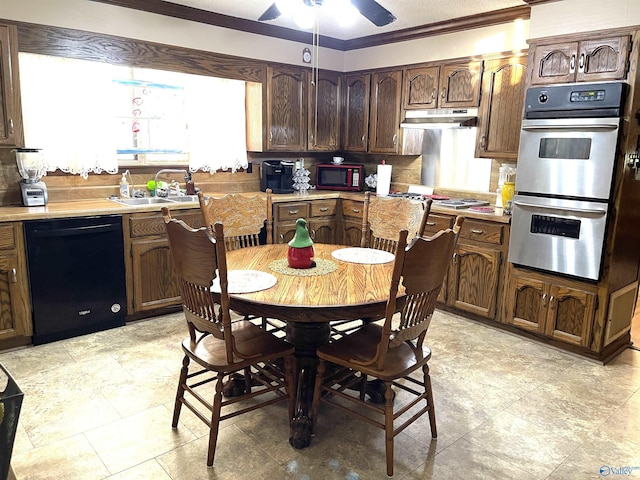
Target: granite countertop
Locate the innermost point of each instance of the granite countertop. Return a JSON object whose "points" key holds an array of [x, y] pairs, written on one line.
{"points": [[103, 206]]}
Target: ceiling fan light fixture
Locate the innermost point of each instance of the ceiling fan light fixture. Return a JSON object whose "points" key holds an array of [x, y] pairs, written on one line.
{"points": [[304, 16]]}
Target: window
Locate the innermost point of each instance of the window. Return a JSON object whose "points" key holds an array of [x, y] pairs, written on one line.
{"points": [[90, 117]]}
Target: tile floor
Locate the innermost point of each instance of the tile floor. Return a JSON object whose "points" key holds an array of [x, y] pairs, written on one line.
{"points": [[99, 407]]}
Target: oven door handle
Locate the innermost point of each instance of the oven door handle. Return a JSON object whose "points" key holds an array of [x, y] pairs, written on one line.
{"points": [[574, 128], [596, 211]]}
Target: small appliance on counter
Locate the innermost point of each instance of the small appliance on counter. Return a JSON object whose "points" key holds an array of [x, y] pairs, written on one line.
{"points": [[276, 175], [339, 176], [32, 168]]}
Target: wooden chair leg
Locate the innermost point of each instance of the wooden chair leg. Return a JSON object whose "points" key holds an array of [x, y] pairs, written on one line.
{"points": [[215, 420], [388, 426], [248, 380], [363, 386], [432, 409], [317, 391], [291, 391], [184, 371]]}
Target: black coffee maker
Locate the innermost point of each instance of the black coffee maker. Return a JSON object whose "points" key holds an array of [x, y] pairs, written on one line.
{"points": [[276, 175]]}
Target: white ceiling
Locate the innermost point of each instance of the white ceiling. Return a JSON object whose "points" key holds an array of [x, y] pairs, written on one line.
{"points": [[409, 14]]}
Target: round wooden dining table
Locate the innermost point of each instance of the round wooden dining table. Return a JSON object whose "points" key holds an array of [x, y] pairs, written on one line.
{"points": [[308, 303]]}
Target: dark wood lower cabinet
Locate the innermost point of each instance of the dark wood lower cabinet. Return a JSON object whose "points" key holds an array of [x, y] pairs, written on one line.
{"points": [[548, 306], [473, 280], [15, 312], [151, 282]]}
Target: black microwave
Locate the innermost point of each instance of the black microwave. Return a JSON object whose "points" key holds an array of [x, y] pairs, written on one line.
{"points": [[332, 176]]}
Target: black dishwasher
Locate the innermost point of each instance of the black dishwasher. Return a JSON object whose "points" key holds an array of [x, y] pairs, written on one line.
{"points": [[76, 275]]}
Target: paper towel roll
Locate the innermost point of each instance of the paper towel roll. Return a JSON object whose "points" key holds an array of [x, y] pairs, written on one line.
{"points": [[384, 179]]}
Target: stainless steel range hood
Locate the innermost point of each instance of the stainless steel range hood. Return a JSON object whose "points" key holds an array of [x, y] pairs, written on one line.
{"points": [[440, 118]]}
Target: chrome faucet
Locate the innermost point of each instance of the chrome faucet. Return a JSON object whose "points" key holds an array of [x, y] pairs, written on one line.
{"points": [[162, 192]]}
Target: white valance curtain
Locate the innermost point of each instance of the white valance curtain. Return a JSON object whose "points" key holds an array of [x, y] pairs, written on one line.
{"points": [[68, 111], [215, 110]]}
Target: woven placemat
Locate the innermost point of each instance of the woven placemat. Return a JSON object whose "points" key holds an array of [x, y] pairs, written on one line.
{"points": [[322, 268]]}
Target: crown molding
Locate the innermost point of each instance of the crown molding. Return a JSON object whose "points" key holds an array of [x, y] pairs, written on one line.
{"points": [[183, 12], [538, 2], [440, 28]]}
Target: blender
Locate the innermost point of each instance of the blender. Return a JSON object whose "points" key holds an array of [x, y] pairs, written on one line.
{"points": [[32, 168]]}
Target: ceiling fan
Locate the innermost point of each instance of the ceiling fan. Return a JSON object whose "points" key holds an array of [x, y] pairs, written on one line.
{"points": [[370, 9]]}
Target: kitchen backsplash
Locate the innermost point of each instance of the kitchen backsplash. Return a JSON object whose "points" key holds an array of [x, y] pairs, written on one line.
{"points": [[63, 187]]}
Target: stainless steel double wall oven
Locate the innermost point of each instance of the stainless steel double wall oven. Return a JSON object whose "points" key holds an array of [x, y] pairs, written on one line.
{"points": [[566, 167]]}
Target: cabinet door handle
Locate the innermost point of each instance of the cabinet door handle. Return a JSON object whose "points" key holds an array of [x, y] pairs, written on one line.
{"points": [[572, 63], [444, 93], [476, 231], [281, 238], [271, 135], [551, 302], [324, 209], [363, 139], [14, 276], [581, 63], [431, 224], [434, 94], [544, 299], [455, 258], [313, 234], [355, 210], [483, 139], [11, 126], [293, 212], [395, 140]]}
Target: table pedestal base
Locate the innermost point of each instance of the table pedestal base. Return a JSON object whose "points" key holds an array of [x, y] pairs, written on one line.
{"points": [[306, 338]]}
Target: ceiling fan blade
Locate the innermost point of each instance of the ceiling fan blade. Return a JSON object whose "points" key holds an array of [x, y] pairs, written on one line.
{"points": [[374, 12], [270, 13]]}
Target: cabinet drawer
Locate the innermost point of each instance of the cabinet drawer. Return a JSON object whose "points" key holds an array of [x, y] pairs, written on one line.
{"points": [[291, 211], [435, 223], [143, 225], [7, 238], [482, 231], [323, 208], [352, 208]]}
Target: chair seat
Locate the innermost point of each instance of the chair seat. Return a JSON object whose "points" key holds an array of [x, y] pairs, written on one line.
{"points": [[361, 346], [251, 340]]}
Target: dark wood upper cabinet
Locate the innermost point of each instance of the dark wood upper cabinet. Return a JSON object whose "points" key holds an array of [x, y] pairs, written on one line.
{"points": [[384, 114], [324, 123], [442, 86], [500, 117], [357, 90], [460, 85], [286, 108], [11, 133], [420, 88], [583, 60]]}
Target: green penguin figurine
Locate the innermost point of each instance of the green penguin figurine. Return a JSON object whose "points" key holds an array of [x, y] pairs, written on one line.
{"points": [[301, 251]]}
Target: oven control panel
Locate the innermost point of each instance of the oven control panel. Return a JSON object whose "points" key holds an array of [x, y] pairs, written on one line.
{"points": [[587, 96], [595, 100]]}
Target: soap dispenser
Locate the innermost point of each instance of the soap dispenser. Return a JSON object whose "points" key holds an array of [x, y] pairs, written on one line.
{"points": [[124, 186]]}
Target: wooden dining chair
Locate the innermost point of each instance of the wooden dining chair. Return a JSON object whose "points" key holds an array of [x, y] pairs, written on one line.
{"points": [[245, 218], [392, 352], [382, 220], [218, 347], [384, 217], [248, 222]]}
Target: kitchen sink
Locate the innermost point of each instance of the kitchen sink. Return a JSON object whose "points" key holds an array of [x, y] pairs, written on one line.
{"points": [[182, 199], [141, 201], [156, 200]]}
